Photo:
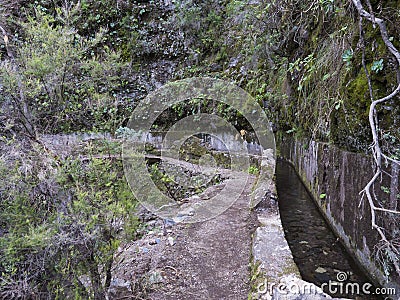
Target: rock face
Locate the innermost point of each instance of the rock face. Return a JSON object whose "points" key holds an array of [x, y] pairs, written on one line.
{"points": [[335, 177]]}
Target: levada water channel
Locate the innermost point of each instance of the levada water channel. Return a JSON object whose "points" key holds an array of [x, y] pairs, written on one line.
{"points": [[318, 253]]}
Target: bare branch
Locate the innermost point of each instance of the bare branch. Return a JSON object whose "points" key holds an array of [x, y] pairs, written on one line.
{"points": [[376, 149], [382, 27], [387, 210], [26, 116]]}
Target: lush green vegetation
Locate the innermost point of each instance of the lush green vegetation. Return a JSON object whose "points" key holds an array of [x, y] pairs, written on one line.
{"points": [[81, 66], [61, 223]]}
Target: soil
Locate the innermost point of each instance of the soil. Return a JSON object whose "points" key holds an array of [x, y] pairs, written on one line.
{"points": [[207, 260]]}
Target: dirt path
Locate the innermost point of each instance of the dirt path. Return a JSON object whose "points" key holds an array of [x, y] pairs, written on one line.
{"points": [[208, 260], [212, 257]]}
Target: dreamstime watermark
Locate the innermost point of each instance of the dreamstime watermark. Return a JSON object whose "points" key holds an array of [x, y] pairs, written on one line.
{"points": [[340, 286], [344, 287], [287, 288], [169, 96]]}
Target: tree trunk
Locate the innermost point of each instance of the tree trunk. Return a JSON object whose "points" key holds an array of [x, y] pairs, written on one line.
{"points": [[98, 289]]}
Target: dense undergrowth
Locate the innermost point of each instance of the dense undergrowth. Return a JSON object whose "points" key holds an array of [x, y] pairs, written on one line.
{"points": [[83, 66], [69, 66]]}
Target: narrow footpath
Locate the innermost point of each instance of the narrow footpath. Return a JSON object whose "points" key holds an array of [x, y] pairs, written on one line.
{"points": [[207, 260]]}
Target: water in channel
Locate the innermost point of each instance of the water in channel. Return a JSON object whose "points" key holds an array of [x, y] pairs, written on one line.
{"points": [[317, 252]]}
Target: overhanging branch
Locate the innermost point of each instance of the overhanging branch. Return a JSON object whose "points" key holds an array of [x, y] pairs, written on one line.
{"points": [[391, 249]]}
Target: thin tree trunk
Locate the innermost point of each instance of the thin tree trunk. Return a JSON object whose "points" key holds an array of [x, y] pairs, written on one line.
{"points": [[98, 289]]}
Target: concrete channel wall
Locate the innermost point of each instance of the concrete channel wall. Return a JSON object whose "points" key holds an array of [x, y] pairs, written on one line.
{"points": [[275, 275], [335, 178]]}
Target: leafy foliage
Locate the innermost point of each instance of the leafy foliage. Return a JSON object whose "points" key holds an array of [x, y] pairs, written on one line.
{"points": [[61, 223], [81, 66], [347, 57], [377, 66], [56, 83]]}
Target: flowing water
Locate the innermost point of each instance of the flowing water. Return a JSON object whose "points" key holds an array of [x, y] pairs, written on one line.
{"points": [[317, 252]]}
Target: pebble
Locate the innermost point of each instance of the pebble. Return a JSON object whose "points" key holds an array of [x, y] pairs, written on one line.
{"points": [[155, 278], [323, 277], [169, 222], [320, 270], [155, 241]]}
